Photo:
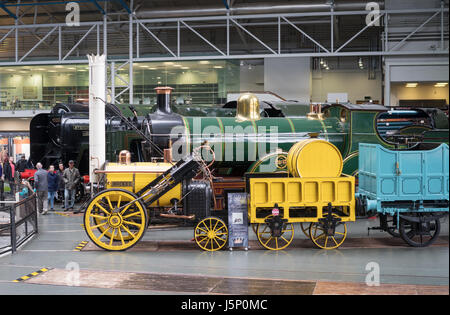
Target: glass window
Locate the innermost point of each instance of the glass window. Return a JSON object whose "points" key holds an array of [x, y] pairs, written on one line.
{"points": [[196, 83]]}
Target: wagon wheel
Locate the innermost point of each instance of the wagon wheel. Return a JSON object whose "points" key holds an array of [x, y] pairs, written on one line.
{"points": [[419, 234], [111, 227], [391, 225], [305, 229], [269, 241], [328, 235], [211, 234]]}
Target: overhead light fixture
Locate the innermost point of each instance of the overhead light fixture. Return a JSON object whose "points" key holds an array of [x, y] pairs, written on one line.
{"points": [[218, 67], [411, 85], [168, 63], [442, 84], [205, 62], [185, 68]]}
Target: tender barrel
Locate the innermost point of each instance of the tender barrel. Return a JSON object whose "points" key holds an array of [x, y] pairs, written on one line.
{"points": [[314, 158]]}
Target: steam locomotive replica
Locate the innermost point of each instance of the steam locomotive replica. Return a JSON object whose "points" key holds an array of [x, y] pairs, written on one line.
{"points": [[164, 174]]}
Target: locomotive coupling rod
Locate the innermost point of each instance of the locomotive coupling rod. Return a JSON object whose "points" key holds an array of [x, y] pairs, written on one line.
{"points": [[174, 216]]}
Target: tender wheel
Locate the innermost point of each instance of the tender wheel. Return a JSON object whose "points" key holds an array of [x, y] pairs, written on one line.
{"points": [[305, 228], [114, 224], [211, 234], [277, 238], [328, 233], [419, 234]]}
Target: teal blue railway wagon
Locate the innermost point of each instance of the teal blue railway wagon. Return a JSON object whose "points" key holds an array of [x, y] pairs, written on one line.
{"points": [[408, 190]]}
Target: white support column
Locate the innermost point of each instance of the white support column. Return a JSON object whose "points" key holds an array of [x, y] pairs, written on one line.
{"points": [[97, 96]]}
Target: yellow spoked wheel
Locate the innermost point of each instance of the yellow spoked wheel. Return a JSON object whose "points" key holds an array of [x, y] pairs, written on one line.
{"points": [[327, 235], [305, 228], [211, 234], [279, 241], [103, 228], [112, 223]]}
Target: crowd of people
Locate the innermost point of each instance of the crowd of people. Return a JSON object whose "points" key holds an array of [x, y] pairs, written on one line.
{"points": [[48, 184]]}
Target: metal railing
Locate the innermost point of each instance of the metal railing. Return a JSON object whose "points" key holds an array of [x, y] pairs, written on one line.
{"points": [[18, 222]]}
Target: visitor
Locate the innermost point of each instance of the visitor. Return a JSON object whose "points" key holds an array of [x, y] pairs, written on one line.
{"points": [[53, 181], [2, 198], [41, 186], [71, 180], [8, 173], [61, 184], [22, 164]]}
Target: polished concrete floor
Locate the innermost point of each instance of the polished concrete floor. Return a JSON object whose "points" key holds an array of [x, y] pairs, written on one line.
{"points": [[59, 235]]}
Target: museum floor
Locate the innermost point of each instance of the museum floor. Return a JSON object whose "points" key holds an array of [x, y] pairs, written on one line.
{"points": [[167, 262]]}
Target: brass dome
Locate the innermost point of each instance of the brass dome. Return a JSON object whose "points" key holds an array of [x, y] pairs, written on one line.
{"points": [[248, 108], [125, 157]]}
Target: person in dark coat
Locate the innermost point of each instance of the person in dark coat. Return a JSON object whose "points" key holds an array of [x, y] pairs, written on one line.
{"points": [[2, 198], [53, 183], [61, 185], [72, 178], [22, 164], [8, 173]]}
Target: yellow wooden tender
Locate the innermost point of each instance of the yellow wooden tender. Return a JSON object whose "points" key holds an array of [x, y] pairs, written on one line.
{"points": [[318, 197]]}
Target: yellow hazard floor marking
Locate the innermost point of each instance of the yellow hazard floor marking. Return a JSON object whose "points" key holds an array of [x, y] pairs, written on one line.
{"points": [[31, 275], [80, 246], [62, 214]]}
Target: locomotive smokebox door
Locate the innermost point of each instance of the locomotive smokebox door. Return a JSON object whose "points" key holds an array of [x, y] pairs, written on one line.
{"points": [[237, 220]]}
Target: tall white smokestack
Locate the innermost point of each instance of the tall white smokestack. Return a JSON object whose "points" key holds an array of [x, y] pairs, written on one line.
{"points": [[97, 96]]}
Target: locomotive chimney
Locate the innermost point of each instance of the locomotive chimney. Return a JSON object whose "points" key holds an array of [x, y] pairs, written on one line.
{"points": [[163, 99]]}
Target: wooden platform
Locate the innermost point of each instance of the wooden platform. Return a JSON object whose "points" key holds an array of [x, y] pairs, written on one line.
{"points": [[153, 246], [198, 284]]}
